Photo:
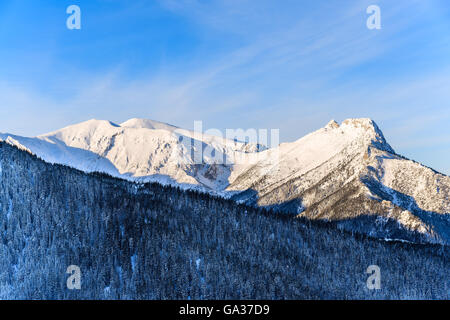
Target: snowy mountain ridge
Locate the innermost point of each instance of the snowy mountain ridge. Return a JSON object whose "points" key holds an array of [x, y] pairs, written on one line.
{"points": [[138, 149], [345, 172]]}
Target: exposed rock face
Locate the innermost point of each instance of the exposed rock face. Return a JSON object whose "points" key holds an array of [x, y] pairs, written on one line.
{"points": [[332, 125], [350, 173]]}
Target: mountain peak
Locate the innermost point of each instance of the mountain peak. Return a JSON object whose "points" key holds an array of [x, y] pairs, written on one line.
{"points": [[370, 129], [97, 122], [138, 123], [332, 125], [365, 123], [91, 125]]}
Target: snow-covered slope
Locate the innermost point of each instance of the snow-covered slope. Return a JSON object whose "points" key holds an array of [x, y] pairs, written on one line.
{"points": [[346, 173]]}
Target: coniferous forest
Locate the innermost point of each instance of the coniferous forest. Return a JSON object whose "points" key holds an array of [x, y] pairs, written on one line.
{"points": [[147, 241]]}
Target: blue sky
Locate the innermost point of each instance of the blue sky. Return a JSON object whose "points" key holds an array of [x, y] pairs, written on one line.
{"points": [[292, 65]]}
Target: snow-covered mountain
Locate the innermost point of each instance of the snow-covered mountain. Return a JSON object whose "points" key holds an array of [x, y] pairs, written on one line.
{"points": [[346, 173], [349, 173], [139, 149]]}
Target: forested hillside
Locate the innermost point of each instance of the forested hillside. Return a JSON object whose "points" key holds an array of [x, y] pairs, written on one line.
{"points": [[152, 242]]}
